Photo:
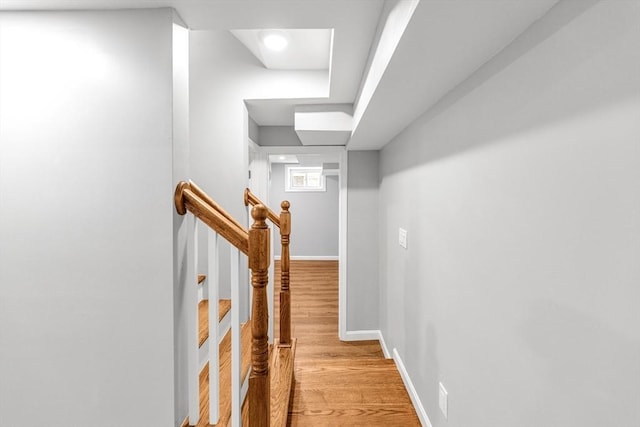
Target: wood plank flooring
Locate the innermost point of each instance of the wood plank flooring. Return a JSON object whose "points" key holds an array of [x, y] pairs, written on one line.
{"points": [[337, 383], [224, 305]]}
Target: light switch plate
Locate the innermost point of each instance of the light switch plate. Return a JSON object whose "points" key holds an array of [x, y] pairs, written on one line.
{"points": [[402, 237], [443, 400]]}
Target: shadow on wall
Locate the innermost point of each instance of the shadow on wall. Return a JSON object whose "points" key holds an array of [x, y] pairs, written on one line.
{"points": [[544, 85], [180, 263], [569, 344]]}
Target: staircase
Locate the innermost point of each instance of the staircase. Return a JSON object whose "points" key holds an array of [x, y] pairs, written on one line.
{"points": [[243, 349], [224, 366], [224, 305]]}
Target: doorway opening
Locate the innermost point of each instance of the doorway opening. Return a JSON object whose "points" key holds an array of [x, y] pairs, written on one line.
{"points": [[319, 216]]}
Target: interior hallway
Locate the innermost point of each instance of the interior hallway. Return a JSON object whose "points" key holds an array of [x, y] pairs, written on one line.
{"points": [[337, 383]]}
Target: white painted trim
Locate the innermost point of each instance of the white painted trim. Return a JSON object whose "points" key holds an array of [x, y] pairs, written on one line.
{"points": [[311, 258], [417, 404], [303, 149], [342, 247], [236, 355], [224, 326], [191, 296], [396, 23], [245, 386], [203, 352], [342, 220], [201, 291], [213, 285], [383, 344], [362, 335]]}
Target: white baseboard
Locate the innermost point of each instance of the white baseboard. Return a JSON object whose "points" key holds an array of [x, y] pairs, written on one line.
{"points": [[383, 344], [417, 404], [310, 258], [361, 335]]}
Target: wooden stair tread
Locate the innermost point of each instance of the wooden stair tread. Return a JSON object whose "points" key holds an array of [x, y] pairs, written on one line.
{"points": [[224, 305], [281, 369], [225, 378], [201, 278], [281, 362]]}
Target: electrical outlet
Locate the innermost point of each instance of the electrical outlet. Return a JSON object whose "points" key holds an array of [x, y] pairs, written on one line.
{"points": [[443, 398], [402, 237]]}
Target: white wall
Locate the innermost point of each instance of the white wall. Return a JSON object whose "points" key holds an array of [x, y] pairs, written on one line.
{"points": [[86, 219], [363, 240], [183, 271], [314, 217], [223, 73], [278, 136], [520, 192]]}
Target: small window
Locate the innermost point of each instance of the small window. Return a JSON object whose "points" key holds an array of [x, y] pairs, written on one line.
{"points": [[299, 178]]}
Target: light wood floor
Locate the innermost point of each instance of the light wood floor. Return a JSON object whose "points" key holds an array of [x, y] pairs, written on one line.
{"points": [[337, 383]]}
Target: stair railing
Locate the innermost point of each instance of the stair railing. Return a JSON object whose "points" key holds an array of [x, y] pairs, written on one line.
{"points": [[283, 222], [255, 244]]}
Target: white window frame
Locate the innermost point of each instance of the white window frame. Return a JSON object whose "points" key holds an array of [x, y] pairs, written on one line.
{"points": [[289, 188]]}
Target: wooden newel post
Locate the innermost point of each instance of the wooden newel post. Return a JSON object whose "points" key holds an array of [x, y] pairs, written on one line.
{"points": [[259, 259], [285, 296]]}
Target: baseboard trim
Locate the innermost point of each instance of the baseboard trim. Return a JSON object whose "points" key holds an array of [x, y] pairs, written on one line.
{"points": [[310, 258], [408, 384], [383, 344], [361, 335]]}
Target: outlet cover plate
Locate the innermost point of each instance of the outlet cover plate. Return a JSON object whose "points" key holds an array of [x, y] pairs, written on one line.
{"points": [[402, 237]]}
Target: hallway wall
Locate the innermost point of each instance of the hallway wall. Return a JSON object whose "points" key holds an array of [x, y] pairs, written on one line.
{"points": [[363, 241], [223, 73], [520, 192], [314, 216], [87, 163]]}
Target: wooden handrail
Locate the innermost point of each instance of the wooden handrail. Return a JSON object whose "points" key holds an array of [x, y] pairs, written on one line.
{"points": [[255, 244], [252, 199], [284, 224], [204, 196], [186, 199]]}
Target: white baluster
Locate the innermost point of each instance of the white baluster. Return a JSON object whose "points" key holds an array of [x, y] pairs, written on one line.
{"points": [[236, 348], [191, 296], [214, 333]]}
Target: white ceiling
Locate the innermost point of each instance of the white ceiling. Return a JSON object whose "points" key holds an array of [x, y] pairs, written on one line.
{"points": [[444, 43], [314, 160], [307, 49]]}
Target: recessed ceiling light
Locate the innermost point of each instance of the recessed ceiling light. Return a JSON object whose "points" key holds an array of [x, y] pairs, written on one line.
{"points": [[274, 40]]}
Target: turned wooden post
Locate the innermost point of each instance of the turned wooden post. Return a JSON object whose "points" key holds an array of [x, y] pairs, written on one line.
{"points": [[259, 258], [285, 296]]}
